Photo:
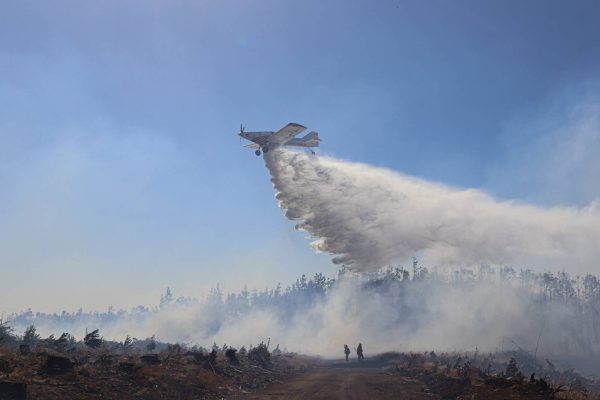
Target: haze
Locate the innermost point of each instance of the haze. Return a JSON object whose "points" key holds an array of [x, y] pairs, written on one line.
{"points": [[120, 170]]}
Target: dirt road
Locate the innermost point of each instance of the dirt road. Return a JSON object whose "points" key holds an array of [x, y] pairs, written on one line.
{"points": [[332, 382], [372, 380]]}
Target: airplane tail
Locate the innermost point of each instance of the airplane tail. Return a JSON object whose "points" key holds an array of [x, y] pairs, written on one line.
{"points": [[312, 136]]}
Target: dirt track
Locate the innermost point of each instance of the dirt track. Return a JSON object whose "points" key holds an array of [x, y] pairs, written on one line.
{"points": [[372, 380], [336, 382]]}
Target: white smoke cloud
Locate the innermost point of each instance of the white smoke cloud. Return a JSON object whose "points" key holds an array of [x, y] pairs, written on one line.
{"points": [[372, 217], [471, 310]]}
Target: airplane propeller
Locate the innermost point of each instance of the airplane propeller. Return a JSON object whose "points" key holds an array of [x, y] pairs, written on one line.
{"points": [[241, 131]]}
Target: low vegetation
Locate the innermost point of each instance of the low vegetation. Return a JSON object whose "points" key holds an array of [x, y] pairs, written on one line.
{"points": [[511, 374], [93, 368]]}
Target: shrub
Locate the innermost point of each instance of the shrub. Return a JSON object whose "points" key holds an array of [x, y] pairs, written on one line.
{"points": [[127, 343], [212, 356], [260, 355], [231, 354], [512, 371], [6, 334], [93, 339], [151, 344], [65, 340], [30, 337]]}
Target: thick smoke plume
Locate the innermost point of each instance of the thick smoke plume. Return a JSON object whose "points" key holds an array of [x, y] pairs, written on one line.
{"points": [[554, 315], [371, 217]]}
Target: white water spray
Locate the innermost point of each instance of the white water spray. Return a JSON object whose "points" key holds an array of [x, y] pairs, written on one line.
{"points": [[371, 217]]}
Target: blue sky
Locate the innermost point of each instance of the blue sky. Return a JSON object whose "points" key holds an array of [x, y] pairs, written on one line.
{"points": [[120, 170]]}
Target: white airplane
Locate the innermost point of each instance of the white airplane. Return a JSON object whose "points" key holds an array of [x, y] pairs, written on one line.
{"points": [[286, 136]]}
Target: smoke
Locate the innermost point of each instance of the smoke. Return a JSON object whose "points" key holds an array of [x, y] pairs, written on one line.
{"points": [[371, 217], [555, 314]]}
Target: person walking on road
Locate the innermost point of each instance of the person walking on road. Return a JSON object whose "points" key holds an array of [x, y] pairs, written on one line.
{"points": [[346, 351], [359, 352]]}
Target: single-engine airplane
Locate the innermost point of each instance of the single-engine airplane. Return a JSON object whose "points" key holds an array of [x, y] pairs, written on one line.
{"points": [[286, 136]]}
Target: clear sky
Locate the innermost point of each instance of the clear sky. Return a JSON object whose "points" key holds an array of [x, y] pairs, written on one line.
{"points": [[120, 170]]}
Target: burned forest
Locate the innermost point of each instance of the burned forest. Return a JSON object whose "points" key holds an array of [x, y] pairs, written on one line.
{"points": [[535, 333]]}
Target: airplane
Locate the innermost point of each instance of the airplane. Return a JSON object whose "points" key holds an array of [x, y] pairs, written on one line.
{"points": [[286, 136]]}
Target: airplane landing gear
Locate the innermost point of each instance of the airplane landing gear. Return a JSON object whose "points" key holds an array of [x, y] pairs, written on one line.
{"points": [[265, 149], [257, 152]]}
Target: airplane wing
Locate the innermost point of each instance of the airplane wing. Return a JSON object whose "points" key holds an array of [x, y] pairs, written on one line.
{"points": [[286, 133], [252, 146]]}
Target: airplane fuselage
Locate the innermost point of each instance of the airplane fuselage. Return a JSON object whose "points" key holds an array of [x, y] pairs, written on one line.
{"points": [[286, 136]]}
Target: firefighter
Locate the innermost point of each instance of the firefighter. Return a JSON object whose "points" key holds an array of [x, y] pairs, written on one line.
{"points": [[359, 352]]}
